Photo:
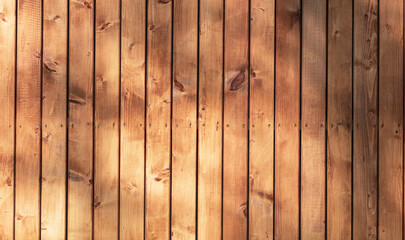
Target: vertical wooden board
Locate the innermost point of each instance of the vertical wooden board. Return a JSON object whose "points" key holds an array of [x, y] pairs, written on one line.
{"points": [[7, 108], [365, 135], [106, 118], [235, 155], [54, 83], [287, 119], [390, 211], [158, 112], [80, 130], [132, 145], [184, 136], [210, 120], [261, 153], [28, 107], [313, 105], [339, 117]]}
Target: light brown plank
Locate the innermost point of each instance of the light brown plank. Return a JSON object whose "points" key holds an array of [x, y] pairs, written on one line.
{"points": [[287, 119], [132, 165], [339, 117], [7, 109], [235, 155], [210, 120], [158, 120], [391, 118], [313, 105], [365, 132], [106, 118], [261, 162], [28, 107], [80, 130], [184, 131], [54, 100]]}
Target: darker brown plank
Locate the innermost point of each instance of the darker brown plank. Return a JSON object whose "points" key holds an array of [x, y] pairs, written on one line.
{"points": [[365, 132], [287, 119], [339, 144]]}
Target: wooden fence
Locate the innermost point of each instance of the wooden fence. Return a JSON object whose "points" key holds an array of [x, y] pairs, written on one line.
{"points": [[201, 119]]}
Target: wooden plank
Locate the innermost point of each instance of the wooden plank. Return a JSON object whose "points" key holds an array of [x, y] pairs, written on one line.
{"points": [[28, 107], [184, 131], [158, 167], [80, 131], [287, 119], [132, 166], [339, 117], [210, 120], [106, 118], [54, 95], [365, 132], [313, 105], [261, 153], [391, 119], [235, 146], [7, 118]]}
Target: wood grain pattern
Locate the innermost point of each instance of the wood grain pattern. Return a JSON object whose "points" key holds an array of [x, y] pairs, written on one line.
{"points": [[313, 105], [7, 118], [80, 130], [365, 132], [261, 142], [184, 131], [391, 119], [235, 145], [106, 118], [210, 120], [28, 107], [54, 95], [339, 142], [287, 119], [132, 162], [158, 142]]}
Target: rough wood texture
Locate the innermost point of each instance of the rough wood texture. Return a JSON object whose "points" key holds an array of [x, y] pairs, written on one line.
{"points": [[287, 119], [261, 153], [365, 132], [313, 105], [28, 107], [339, 117], [106, 118], [210, 120], [391, 120], [184, 136], [235, 145], [132, 167], [54, 95], [80, 128], [7, 110], [158, 143]]}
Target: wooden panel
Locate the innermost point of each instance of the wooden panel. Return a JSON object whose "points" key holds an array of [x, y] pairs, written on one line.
{"points": [[132, 144], [106, 118], [7, 128], [365, 138], [210, 120], [287, 119], [28, 107], [184, 136], [80, 131], [54, 90], [261, 153], [313, 105], [235, 146], [391, 118], [339, 117], [158, 167]]}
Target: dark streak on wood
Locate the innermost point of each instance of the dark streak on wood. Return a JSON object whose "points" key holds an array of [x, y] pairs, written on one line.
{"points": [[237, 82], [179, 86]]}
